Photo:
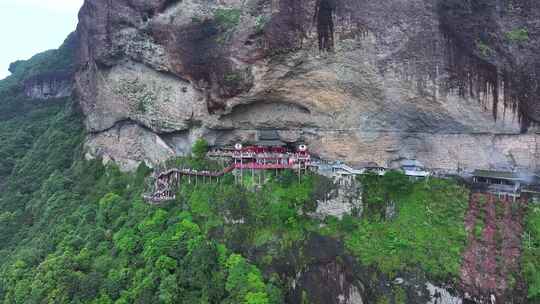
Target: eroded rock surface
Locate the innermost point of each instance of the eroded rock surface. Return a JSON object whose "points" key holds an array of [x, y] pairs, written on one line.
{"points": [[48, 86], [328, 275], [385, 85], [329, 278], [343, 198]]}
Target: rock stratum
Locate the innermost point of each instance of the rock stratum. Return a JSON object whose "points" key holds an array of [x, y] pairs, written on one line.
{"points": [[453, 84], [49, 86]]}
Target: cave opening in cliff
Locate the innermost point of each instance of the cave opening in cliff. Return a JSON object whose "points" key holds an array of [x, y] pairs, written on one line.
{"points": [[324, 16]]}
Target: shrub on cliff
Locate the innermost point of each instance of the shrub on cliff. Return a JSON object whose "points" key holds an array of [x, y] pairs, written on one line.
{"points": [[518, 35], [427, 232], [199, 149]]}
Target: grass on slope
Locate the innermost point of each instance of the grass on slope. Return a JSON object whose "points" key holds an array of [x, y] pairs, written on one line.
{"points": [[427, 231]]}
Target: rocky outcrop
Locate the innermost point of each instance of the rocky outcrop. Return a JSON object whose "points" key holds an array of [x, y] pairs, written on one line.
{"points": [[328, 275], [48, 75], [126, 143], [49, 86], [343, 198], [378, 81]]}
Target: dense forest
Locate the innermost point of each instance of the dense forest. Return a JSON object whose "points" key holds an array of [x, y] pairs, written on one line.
{"points": [[78, 231]]}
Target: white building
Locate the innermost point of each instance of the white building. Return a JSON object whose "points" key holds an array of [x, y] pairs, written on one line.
{"points": [[414, 169]]}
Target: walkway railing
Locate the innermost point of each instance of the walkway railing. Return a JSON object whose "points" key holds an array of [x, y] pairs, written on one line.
{"points": [[166, 182]]}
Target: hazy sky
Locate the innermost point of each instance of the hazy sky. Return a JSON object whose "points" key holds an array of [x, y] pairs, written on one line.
{"points": [[28, 27]]}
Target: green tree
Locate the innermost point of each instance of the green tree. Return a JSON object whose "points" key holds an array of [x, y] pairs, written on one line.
{"points": [[111, 206], [244, 282], [199, 149]]}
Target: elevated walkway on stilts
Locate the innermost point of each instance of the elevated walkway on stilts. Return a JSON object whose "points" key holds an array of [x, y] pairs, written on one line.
{"points": [[166, 182], [262, 157]]}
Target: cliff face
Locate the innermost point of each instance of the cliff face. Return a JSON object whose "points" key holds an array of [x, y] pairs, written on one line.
{"points": [[356, 80], [49, 85], [47, 75]]}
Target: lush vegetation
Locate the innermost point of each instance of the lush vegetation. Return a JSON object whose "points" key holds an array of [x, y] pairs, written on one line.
{"points": [[36, 139], [483, 48], [426, 233], [227, 18], [518, 35], [79, 232], [60, 60], [531, 252], [75, 231], [199, 149]]}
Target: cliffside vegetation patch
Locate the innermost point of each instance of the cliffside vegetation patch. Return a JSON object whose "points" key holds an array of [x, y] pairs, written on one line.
{"points": [[518, 35], [227, 18], [427, 231]]}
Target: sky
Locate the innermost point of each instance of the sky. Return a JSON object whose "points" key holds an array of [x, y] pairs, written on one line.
{"points": [[28, 27]]}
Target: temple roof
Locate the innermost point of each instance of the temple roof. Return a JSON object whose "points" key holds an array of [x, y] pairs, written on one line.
{"points": [[364, 165], [411, 163], [270, 143], [497, 175]]}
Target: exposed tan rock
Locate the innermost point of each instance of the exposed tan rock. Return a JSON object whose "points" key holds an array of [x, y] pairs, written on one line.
{"points": [[126, 144], [225, 69]]}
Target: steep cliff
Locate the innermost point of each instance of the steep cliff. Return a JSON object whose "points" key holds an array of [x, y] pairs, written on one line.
{"points": [[47, 86], [48, 75], [358, 80], [452, 83]]}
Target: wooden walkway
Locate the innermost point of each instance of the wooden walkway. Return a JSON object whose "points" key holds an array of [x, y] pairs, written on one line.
{"points": [[167, 182]]}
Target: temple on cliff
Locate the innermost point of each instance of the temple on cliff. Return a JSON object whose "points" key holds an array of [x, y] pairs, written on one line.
{"points": [[268, 153], [501, 183], [270, 157]]}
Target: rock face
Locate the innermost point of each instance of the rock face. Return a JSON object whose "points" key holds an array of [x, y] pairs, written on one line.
{"points": [[128, 143], [343, 198], [356, 80], [330, 276], [48, 86], [441, 296]]}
